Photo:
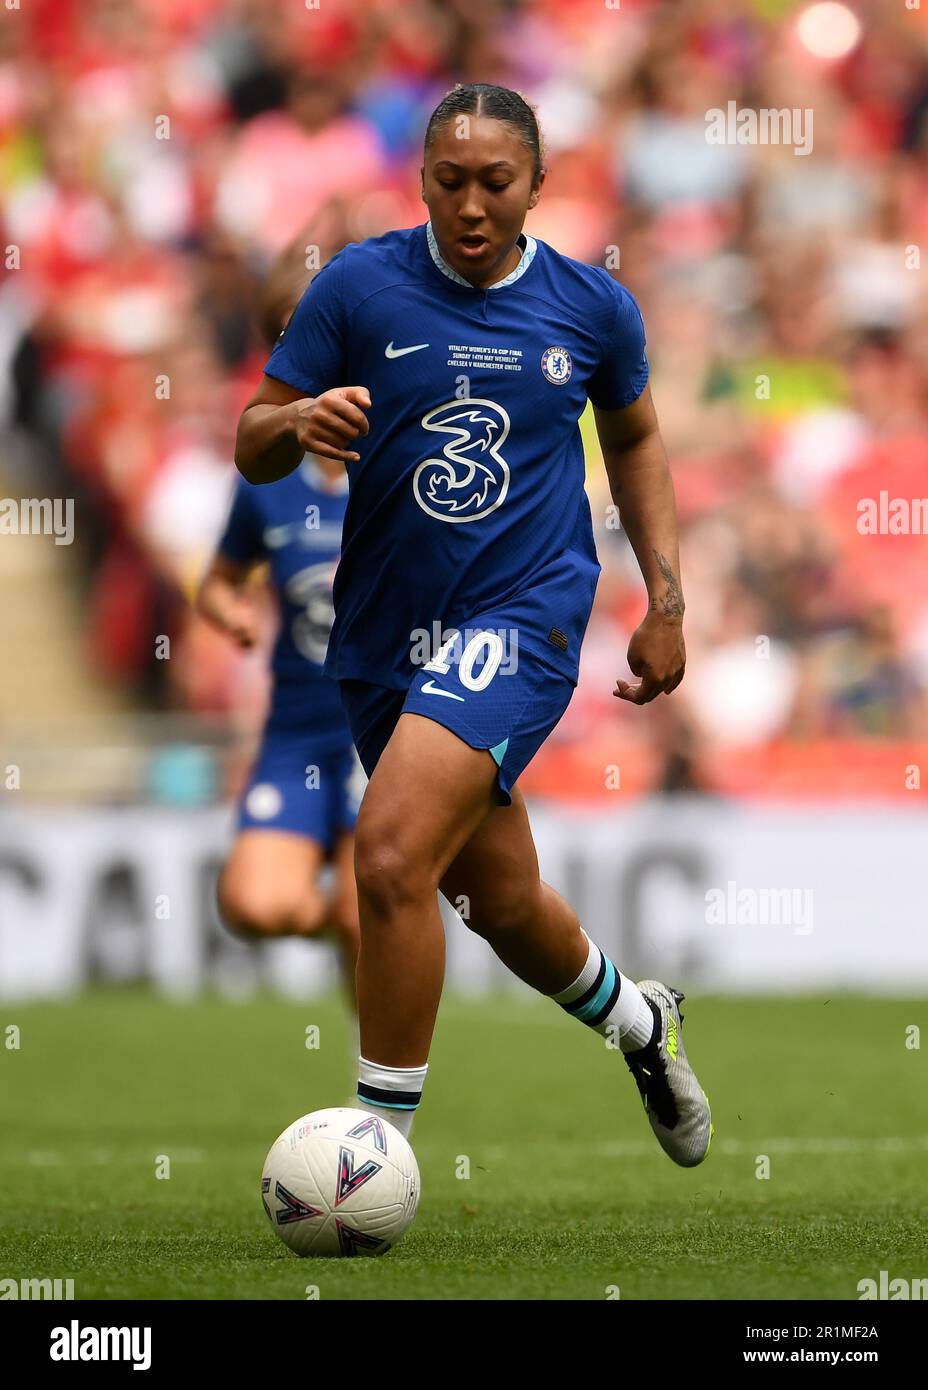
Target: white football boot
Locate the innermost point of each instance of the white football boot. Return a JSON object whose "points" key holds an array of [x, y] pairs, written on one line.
{"points": [[675, 1102]]}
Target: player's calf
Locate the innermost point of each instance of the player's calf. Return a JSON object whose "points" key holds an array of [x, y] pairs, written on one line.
{"points": [[531, 929]]}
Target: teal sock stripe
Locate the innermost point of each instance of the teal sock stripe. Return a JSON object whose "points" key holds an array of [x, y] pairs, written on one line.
{"points": [[387, 1104], [601, 997]]}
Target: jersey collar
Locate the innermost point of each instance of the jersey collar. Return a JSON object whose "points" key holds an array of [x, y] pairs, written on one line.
{"points": [[529, 246]]}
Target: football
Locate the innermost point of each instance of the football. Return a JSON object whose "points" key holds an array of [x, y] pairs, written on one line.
{"points": [[340, 1182]]}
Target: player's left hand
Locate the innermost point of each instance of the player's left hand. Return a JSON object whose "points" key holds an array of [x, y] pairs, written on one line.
{"points": [[657, 654]]}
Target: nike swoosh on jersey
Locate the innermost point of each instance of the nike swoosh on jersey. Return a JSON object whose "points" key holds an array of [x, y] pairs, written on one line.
{"points": [[391, 351], [430, 688]]}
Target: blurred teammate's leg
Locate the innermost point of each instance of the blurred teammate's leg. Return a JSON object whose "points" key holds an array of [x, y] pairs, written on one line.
{"points": [[342, 912], [269, 885]]}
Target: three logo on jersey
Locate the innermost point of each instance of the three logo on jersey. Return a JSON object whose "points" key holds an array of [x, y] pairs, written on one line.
{"points": [[311, 591], [471, 478]]}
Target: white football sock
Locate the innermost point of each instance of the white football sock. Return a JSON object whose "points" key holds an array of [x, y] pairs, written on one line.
{"points": [[605, 999], [393, 1093]]}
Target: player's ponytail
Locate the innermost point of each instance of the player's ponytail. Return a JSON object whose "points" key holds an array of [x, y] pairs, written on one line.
{"points": [[496, 103]]}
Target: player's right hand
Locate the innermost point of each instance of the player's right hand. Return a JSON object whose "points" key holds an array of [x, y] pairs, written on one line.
{"points": [[328, 424]]}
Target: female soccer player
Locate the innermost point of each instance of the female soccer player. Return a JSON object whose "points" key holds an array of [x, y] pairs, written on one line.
{"points": [[477, 347]]}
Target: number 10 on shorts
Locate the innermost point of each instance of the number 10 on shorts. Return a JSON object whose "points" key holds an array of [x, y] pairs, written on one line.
{"points": [[486, 645]]}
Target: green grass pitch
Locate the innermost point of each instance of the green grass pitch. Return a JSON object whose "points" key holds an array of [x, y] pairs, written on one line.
{"points": [[568, 1197]]}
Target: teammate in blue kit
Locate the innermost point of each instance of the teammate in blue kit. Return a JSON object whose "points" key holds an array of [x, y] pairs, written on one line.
{"points": [[300, 805], [476, 348]]}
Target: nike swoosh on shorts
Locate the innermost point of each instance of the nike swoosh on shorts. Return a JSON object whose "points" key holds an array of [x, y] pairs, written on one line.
{"points": [[430, 688]]}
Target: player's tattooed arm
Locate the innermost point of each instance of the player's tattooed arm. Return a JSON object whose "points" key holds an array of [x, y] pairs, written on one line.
{"points": [[670, 603], [642, 490]]}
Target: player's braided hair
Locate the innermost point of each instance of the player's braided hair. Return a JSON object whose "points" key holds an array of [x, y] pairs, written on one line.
{"points": [[497, 103]]}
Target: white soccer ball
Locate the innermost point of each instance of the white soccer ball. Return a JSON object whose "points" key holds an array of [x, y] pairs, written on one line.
{"points": [[340, 1182]]}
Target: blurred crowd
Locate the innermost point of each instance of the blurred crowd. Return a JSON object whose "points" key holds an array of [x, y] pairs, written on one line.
{"points": [[157, 155]]}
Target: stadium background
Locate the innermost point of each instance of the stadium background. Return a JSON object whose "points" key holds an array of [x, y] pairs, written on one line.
{"points": [[153, 161], [788, 337]]}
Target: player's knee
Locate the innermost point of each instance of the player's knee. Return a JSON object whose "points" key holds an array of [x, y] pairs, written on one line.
{"points": [[388, 875]]}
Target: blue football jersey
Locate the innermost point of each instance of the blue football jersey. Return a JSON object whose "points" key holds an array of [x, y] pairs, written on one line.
{"points": [[296, 525], [469, 488]]}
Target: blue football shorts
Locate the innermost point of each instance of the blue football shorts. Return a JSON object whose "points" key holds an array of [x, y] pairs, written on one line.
{"points": [[306, 790], [505, 701]]}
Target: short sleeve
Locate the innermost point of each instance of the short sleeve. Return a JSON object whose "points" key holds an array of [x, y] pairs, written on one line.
{"points": [[310, 355], [241, 540], [623, 370]]}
